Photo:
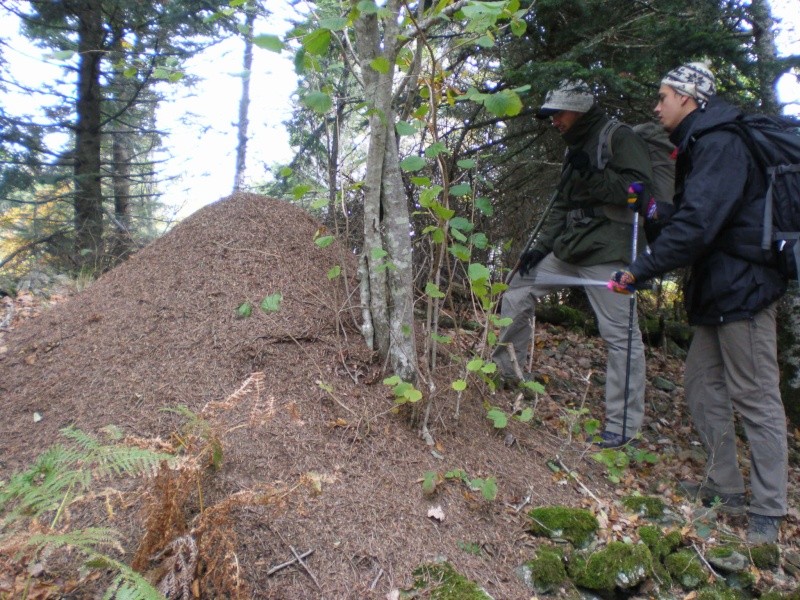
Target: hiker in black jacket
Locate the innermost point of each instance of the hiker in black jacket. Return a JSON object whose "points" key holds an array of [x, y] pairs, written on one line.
{"points": [[730, 299]]}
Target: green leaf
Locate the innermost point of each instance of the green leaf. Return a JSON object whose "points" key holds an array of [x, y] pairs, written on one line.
{"points": [[429, 195], [393, 380], [442, 339], [526, 415], [478, 272], [485, 206], [421, 181], [460, 252], [334, 272], [485, 41], [380, 64], [432, 290], [244, 310], [333, 23], [130, 72], [489, 368], [317, 42], [459, 385], [429, 482], [63, 54], [497, 417], [272, 303], [443, 213], [405, 128], [467, 163], [285, 172], [367, 7], [378, 253], [479, 240], [462, 189], [457, 235], [461, 224], [475, 365], [412, 163], [489, 488], [504, 104], [518, 27], [436, 149], [268, 42], [324, 241], [160, 73], [319, 102], [301, 190], [319, 203]]}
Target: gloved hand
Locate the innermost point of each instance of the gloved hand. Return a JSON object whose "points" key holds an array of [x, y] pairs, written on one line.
{"points": [[579, 160], [528, 260], [622, 282]]}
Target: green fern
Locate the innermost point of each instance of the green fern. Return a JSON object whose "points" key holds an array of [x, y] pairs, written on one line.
{"points": [[61, 473], [128, 584], [87, 540], [202, 428]]}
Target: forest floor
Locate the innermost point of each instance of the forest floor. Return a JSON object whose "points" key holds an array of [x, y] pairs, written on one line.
{"points": [[289, 442]]}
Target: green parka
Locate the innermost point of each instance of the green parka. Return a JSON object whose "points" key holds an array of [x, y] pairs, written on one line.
{"points": [[601, 233]]}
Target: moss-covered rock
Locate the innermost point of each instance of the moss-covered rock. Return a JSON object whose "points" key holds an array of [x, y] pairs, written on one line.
{"points": [[727, 559], [546, 570], [575, 525], [661, 543], [766, 556], [618, 565], [646, 506], [720, 592], [440, 581], [685, 568]]}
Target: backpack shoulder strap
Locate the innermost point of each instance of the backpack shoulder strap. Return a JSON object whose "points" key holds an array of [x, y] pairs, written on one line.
{"points": [[604, 151]]}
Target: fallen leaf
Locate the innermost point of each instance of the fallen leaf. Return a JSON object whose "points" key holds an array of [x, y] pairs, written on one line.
{"points": [[436, 512]]}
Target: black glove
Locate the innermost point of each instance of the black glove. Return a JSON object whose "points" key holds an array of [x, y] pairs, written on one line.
{"points": [[528, 260], [579, 160]]}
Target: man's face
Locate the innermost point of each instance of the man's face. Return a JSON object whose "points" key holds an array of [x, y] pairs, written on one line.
{"points": [[672, 107], [563, 120]]}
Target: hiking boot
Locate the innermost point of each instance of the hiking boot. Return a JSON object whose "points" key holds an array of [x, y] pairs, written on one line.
{"points": [[762, 529], [607, 439], [709, 496]]}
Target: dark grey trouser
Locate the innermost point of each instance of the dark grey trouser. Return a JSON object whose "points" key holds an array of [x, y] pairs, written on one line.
{"points": [[735, 367], [612, 311]]}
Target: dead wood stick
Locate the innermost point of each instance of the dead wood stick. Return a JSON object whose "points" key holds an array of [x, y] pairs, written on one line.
{"points": [[305, 566], [375, 581], [288, 563]]}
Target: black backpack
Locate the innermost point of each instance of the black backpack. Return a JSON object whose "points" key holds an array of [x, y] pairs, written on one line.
{"points": [[774, 143]]}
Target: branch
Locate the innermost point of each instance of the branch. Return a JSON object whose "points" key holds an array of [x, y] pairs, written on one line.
{"points": [[30, 245]]}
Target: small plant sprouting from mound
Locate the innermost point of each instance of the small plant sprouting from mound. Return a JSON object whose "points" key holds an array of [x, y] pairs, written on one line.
{"points": [[60, 476], [487, 487], [196, 428]]}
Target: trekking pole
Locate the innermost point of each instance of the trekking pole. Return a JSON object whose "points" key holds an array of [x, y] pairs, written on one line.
{"points": [[562, 182], [634, 193]]}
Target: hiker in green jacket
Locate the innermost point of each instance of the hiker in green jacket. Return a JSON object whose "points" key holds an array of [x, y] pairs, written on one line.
{"points": [[588, 235]]}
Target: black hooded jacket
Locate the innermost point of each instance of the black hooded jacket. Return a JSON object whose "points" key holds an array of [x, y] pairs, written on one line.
{"points": [[719, 200]]}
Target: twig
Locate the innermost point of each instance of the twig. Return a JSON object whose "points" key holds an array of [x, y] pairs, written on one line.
{"points": [[705, 562], [375, 581], [288, 563], [574, 476], [305, 566]]}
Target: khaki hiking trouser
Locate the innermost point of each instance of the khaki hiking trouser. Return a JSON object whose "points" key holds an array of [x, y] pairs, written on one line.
{"points": [[735, 367], [612, 311]]}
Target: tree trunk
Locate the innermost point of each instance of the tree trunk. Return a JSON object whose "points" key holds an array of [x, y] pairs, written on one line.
{"points": [[387, 241], [244, 103], [88, 192], [121, 177], [766, 52]]}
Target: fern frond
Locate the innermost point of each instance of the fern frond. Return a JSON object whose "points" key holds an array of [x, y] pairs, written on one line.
{"points": [[128, 584], [87, 540]]}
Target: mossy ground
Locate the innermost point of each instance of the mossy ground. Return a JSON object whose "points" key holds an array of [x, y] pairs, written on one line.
{"points": [[575, 525], [440, 581]]}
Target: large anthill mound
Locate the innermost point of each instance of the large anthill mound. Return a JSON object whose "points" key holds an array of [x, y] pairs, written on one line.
{"points": [[162, 330]]}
